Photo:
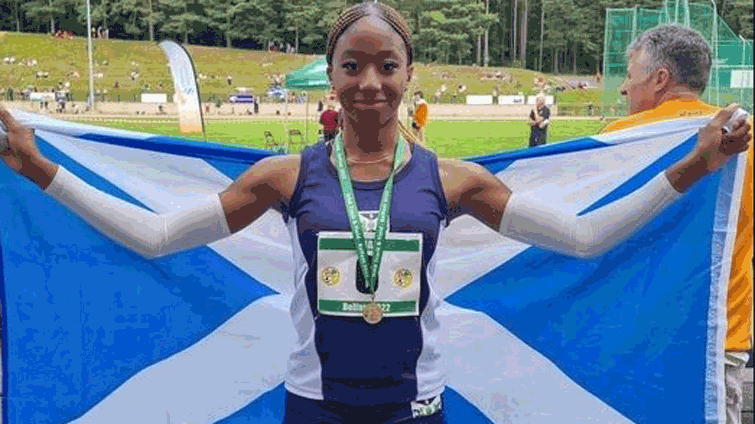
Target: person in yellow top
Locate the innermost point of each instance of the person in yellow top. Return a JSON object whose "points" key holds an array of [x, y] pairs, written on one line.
{"points": [[668, 69], [420, 116]]}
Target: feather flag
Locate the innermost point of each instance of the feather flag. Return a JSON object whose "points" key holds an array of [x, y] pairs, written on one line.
{"points": [[94, 333]]}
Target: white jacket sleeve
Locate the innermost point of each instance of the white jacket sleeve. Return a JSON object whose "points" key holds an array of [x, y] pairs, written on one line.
{"points": [[590, 235], [146, 233]]}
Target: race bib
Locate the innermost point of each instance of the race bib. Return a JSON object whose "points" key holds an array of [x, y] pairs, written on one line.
{"points": [[342, 287]]}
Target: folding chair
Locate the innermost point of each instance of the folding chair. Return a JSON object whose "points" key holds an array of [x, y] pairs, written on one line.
{"points": [[270, 143], [291, 143]]}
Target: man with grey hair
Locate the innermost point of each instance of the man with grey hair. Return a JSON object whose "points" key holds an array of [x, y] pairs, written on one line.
{"points": [[668, 70], [539, 121]]}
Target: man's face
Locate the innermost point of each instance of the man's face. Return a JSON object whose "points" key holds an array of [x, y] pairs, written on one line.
{"points": [[643, 85], [540, 104]]}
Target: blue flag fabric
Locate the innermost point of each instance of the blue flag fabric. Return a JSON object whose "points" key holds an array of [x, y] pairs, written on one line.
{"points": [[94, 333]]}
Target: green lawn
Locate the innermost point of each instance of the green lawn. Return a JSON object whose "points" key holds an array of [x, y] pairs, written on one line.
{"points": [[449, 139]]}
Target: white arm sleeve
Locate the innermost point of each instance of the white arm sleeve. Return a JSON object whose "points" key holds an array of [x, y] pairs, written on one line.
{"points": [[146, 233], [590, 235]]}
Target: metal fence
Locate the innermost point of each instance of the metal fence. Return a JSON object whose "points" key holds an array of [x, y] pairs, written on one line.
{"points": [[731, 76]]}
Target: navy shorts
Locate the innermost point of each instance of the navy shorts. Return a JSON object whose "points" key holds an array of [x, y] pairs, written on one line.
{"points": [[300, 410]]}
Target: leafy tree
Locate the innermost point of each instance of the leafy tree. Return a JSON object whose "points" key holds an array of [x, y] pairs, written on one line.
{"points": [[184, 17], [745, 21], [305, 19], [45, 9], [151, 15], [101, 12], [447, 26], [738, 14], [222, 15], [11, 14], [133, 16], [258, 20]]}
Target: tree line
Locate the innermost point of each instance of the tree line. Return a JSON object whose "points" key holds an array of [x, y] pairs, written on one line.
{"points": [[547, 35]]}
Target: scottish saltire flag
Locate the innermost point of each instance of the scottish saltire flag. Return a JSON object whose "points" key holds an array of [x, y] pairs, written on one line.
{"points": [[93, 333]]}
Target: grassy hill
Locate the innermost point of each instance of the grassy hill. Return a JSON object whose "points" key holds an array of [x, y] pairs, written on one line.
{"points": [[62, 57]]}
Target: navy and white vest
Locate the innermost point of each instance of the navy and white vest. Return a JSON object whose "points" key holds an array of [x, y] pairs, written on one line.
{"points": [[345, 359]]}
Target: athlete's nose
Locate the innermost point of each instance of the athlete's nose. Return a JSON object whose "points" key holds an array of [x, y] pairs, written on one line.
{"points": [[370, 79]]}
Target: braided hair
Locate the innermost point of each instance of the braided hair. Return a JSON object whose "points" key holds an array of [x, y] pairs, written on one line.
{"points": [[388, 15]]}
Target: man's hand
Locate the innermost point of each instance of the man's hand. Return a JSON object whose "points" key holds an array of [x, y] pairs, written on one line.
{"points": [[714, 146], [713, 149]]}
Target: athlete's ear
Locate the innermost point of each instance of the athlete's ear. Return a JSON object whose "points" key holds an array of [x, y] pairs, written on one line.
{"points": [[329, 71], [409, 73]]}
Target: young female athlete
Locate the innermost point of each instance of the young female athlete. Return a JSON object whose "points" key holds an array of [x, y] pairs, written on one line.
{"points": [[365, 213]]}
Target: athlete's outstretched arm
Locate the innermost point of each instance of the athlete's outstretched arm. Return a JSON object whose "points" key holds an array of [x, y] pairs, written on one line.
{"points": [[153, 235], [470, 189]]}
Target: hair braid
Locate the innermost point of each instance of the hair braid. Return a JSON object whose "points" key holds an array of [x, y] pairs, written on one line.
{"points": [[386, 14], [361, 10]]}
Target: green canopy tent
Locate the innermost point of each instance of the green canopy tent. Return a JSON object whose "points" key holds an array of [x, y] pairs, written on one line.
{"points": [[310, 77]]}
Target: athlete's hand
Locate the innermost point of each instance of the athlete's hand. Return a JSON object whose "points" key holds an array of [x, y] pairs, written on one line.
{"points": [[22, 154]]}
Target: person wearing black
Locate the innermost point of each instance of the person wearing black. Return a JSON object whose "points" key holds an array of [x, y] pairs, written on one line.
{"points": [[60, 99], [539, 122]]}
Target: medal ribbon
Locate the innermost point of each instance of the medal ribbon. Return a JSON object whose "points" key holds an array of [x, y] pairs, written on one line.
{"points": [[370, 270]]}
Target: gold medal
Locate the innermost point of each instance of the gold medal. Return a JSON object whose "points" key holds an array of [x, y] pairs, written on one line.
{"points": [[403, 278], [330, 276], [372, 313]]}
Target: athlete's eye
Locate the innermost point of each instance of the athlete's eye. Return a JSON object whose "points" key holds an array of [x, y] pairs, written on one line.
{"points": [[390, 66], [349, 66]]}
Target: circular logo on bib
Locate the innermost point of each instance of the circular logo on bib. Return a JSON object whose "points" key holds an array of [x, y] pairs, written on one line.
{"points": [[330, 276], [403, 278]]}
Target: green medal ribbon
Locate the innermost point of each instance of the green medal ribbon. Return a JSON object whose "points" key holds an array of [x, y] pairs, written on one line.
{"points": [[370, 270]]}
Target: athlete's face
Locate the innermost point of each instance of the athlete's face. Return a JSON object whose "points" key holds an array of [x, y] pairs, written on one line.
{"points": [[370, 71], [644, 84]]}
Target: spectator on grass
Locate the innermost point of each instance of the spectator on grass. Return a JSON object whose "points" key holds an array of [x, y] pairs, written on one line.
{"points": [[539, 122], [667, 72], [420, 116], [329, 121], [60, 98]]}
